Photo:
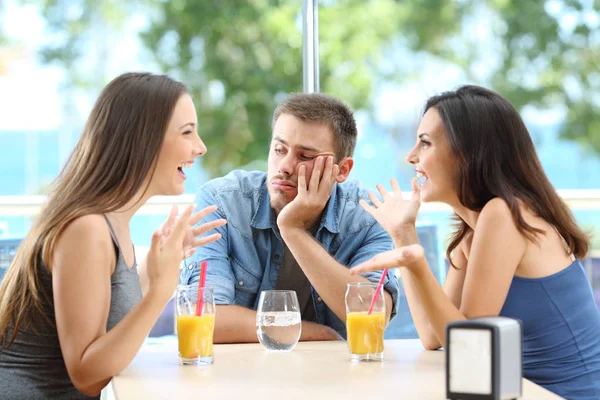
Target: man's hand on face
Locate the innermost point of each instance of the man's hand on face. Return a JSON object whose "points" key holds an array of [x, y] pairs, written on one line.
{"points": [[311, 198]]}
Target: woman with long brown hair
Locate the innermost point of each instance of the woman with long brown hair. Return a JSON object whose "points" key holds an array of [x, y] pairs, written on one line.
{"points": [[74, 305], [516, 248]]}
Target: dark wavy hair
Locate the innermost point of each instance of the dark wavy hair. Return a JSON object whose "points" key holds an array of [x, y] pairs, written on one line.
{"points": [[496, 158]]}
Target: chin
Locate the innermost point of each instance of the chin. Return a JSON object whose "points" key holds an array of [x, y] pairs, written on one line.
{"points": [[174, 191], [278, 203], [426, 198]]}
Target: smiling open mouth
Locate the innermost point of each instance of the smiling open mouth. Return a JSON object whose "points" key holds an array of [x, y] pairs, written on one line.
{"points": [[421, 178], [182, 166]]}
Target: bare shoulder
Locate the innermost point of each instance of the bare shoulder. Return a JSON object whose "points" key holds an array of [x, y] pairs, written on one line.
{"points": [[496, 223], [496, 208], [88, 227], [498, 212], [86, 237]]}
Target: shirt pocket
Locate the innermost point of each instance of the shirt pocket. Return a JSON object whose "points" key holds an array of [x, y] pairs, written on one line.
{"points": [[246, 285]]}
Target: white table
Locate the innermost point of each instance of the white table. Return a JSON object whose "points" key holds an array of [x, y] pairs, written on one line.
{"points": [[313, 370]]}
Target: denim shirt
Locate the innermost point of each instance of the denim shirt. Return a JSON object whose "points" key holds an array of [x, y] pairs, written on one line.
{"points": [[246, 260]]}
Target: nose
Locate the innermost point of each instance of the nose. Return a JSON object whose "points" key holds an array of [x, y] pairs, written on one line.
{"points": [[287, 165], [199, 148], [412, 156]]}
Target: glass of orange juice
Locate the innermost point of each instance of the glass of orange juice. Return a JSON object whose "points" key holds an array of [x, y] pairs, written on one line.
{"points": [[195, 324], [365, 330]]}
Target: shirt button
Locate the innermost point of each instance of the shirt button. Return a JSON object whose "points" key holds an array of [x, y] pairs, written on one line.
{"points": [[319, 299], [276, 257], [191, 266], [241, 283]]}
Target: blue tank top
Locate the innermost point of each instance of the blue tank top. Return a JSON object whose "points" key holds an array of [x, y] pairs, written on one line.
{"points": [[561, 331]]}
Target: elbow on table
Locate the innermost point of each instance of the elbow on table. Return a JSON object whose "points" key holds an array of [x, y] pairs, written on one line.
{"points": [[430, 344], [84, 385], [87, 390]]}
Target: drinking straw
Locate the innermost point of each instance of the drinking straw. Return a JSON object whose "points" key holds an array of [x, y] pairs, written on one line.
{"points": [[201, 283], [376, 295]]}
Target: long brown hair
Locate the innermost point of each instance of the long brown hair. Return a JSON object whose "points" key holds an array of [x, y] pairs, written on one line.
{"points": [[115, 155], [496, 158]]}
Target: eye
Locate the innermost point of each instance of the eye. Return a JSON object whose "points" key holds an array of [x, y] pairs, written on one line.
{"points": [[307, 158], [425, 143], [278, 150], [188, 132]]}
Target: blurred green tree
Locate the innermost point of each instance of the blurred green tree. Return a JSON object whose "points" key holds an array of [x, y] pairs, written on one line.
{"points": [[239, 57]]}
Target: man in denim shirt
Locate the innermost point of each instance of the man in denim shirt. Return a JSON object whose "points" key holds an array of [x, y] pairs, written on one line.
{"points": [[297, 227]]}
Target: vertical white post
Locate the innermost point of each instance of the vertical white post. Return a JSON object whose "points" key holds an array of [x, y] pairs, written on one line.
{"points": [[310, 45]]}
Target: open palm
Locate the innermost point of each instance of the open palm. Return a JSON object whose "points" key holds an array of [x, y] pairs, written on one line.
{"points": [[394, 213], [407, 256], [192, 238]]}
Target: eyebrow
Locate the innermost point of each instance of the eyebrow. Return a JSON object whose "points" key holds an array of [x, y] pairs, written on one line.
{"points": [[307, 148], [422, 135], [192, 124]]}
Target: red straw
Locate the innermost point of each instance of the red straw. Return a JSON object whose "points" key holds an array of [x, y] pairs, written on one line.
{"points": [[201, 283], [376, 295]]}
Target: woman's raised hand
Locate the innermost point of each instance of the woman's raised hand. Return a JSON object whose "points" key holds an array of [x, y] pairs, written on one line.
{"points": [[191, 239], [394, 213], [408, 256], [175, 240]]}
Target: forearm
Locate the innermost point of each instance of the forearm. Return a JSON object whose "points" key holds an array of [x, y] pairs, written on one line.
{"points": [[415, 304], [436, 305], [143, 274], [420, 318], [109, 354], [328, 277], [315, 332], [235, 324]]}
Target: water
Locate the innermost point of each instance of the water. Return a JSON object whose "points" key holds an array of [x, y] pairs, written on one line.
{"points": [[278, 330]]}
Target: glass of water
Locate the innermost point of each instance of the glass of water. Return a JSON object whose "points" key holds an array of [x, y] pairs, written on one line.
{"points": [[278, 322]]}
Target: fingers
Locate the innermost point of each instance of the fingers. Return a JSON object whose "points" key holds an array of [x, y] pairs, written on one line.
{"points": [[316, 174], [170, 221], [189, 253], [328, 171], [181, 225], [395, 187], [384, 193], [302, 179], [203, 241], [199, 216], [329, 177], [367, 207], [155, 241], [209, 226], [404, 256], [415, 202], [416, 189], [371, 265], [376, 202]]}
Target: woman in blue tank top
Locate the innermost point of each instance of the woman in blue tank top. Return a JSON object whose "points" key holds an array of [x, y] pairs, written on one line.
{"points": [[516, 248]]}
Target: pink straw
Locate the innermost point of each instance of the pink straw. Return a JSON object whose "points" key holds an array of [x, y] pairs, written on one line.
{"points": [[201, 283], [379, 285]]}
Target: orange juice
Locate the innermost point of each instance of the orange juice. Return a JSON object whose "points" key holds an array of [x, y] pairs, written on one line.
{"points": [[365, 332], [195, 335]]}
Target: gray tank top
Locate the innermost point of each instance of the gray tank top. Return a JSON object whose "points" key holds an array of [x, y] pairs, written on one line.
{"points": [[33, 366]]}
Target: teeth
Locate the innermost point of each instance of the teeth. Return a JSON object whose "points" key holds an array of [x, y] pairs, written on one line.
{"points": [[421, 178], [185, 165]]}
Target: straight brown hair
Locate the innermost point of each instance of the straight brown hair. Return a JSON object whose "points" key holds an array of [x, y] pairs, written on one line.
{"points": [[114, 157]]}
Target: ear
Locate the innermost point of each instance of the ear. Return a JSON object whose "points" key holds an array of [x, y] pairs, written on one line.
{"points": [[345, 165]]}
